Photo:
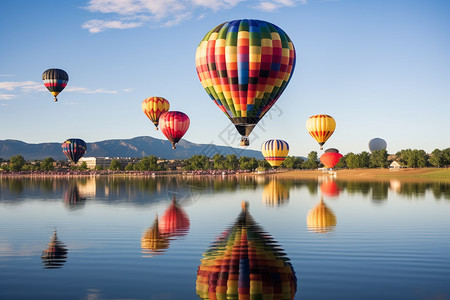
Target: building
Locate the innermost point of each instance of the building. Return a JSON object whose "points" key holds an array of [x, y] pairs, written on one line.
{"points": [[395, 165], [105, 162]]}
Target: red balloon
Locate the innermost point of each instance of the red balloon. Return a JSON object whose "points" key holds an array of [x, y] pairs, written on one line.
{"points": [[330, 159], [174, 125]]}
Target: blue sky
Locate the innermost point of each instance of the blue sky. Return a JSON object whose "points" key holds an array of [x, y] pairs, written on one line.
{"points": [[380, 68]]}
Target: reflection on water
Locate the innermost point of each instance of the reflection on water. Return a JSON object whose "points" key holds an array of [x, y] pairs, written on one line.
{"points": [[321, 218], [172, 224], [275, 193], [189, 189], [55, 255], [245, 263], [72, 197], [153, 242]]}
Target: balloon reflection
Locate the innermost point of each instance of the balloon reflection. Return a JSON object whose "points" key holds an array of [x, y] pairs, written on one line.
{"points": [[275, 193], [174, 222], [55, 255], [321, 219], [73, 198], [153, 242], [329, 188], [245, 263]]}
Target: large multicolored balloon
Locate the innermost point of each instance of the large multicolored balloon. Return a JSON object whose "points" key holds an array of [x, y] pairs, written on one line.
{"points": [[74, 149], [321, 127], [275, 151], [244, 66], [154, 107], [330, 159], [377, 144], [174, 125], [55, 80]]}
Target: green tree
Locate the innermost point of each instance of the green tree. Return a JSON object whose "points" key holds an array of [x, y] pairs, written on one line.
{"points": [[149, 163], [231, 162], [83, 166], [365, 159], [379, 159], [98, 167], [446, 156], [198, 162], [219, 161], [353, 160], [16, 163], [437, 158], [129, 167], [47, 164], [115, 165], [247, 163], [292, 162], [312, 162]]}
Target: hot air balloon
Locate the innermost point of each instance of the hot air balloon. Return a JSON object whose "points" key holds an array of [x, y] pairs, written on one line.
{"points": [[332, 150], [321, 219], [377, 144], [174, 125], [321, 127], [244, 66], [55, 255], [174, 221], [330, 159], [154, 107], [55, 80], [153, 242], [74, 149], [275, 151], [245, 263]]}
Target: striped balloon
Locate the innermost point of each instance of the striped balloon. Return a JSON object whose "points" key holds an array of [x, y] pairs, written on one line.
{"points": [[55, 80], [74, 149], [154, 107], [244, 66], [174, 125], [321, 127], [275, 151]]}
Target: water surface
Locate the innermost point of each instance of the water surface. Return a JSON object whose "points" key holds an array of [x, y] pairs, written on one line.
{"points": [[192, 237]]}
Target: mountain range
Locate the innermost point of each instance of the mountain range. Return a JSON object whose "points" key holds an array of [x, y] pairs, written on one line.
{"points": [[135, 147]]}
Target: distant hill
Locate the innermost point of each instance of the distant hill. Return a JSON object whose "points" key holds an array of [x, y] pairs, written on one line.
{"points": [[135, 147]]}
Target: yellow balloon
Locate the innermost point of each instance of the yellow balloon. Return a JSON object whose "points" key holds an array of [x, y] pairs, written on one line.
{"points": [[321, 219], [275, 151], [321, 127]]}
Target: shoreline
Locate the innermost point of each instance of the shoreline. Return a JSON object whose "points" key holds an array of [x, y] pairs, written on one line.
{"points": [[407, 174]]}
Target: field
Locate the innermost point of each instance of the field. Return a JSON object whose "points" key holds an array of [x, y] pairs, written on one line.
{"points": [[420, 174]]}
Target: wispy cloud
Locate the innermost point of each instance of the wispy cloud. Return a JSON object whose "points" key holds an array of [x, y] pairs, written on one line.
{"points": [[25, 87], [88, 91], [126, 14], [96, 26], [7, 96]]}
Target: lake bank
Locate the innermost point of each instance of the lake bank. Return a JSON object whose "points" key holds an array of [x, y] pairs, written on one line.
{"points": [[431, 174]]}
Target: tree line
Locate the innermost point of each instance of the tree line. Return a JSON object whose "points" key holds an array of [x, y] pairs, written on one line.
{"points": [[412, 158]]}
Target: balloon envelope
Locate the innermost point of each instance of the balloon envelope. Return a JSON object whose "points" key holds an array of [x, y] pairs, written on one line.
{"points": [[55, 80], [244, 66], [154, 107], [377, 144], [275, 151], [321, 219], [174, 125], [55, 255], [329, 188], [174, 221], [321, 127], [74, 149], [330, 159]]}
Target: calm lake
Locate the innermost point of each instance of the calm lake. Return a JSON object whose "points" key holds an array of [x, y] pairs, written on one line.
{"points": [[248, 237]]}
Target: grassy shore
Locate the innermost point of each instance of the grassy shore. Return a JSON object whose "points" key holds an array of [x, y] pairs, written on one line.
{"points": [[432, 174]]}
